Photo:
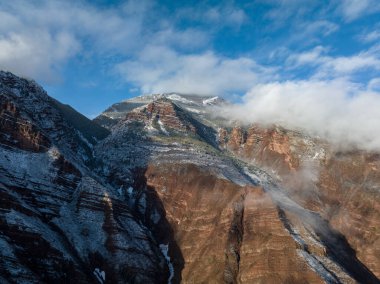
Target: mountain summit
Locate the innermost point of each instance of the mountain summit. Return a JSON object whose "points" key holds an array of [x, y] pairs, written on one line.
{"points": [[162, 189]]}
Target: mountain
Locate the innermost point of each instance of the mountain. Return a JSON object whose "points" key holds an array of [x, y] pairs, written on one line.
{"points": [[190, 103], [59, 221], [163, 189]]}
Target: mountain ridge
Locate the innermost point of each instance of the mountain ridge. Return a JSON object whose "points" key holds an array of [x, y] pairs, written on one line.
{"points": [[171, 193]]}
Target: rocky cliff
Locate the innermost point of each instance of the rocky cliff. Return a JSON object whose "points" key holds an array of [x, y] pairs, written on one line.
{"points": [[59, 222], [162, 190], [342, 186]]}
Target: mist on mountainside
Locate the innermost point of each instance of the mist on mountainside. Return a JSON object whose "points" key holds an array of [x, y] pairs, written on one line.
{"points": [[339, 111]]}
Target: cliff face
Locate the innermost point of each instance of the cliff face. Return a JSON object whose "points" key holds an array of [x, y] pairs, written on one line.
{"points": [[341, 186], [227, 233], [19, 132], [270, 147], [244, 234], [349, 186], [229, 220], [59, 222], [170, 194]]}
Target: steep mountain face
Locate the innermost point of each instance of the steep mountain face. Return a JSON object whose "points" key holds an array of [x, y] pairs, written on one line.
{"points": [[232, 221], [164, 191], [59, 222], [192, 104], [343, 187]]}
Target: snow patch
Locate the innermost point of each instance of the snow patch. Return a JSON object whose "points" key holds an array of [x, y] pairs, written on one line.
{"points": [[163, 129], [256, 179], [321, 154], [53, 153], [155, 217], [120, 190], [85, 140], [194, 110], [142, 204], [176, 97], [149, 127], [100, 275], [210, 101], [165, 249], [317, 266], [130, 190]]}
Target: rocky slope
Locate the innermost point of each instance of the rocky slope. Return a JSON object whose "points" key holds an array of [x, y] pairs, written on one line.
{"points": [[343, 187], [59, 222], [232, 221], [171, 193]]}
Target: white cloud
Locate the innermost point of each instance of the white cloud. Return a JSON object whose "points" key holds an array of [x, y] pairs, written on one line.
{"points": [[313, 57], [347, 65], [23, 54], [374, 85], [319, 27], [345, 113], [46, 34], [186, 39], [227, 15], [354, 9], [282, 10], [329, 67], [38, 38], [159, 69], [371, 36], [216, 16]]}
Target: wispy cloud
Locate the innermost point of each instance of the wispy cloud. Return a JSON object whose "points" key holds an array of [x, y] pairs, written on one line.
{"points": [[370, 37], [336, 66], [217, 16], [354, 9], [283, 10], [320, 27]]}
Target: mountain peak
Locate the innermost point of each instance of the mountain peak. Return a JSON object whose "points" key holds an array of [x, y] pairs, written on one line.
{"points": [[195, 104], [172, 193]]}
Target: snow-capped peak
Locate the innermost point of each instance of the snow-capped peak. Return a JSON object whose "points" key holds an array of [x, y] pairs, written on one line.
{"points": [[210, 101]]}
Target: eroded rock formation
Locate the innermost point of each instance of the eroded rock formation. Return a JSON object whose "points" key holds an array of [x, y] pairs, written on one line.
{"points": [[171, 194]]}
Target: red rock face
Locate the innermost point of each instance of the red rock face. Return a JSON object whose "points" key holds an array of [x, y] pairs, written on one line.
{"points": [[227, 233], [223, 137], [343, 187], [165, 111], [270, 147], [237, 138], [18, 132], [269, 253], [273, 146], [351, 201]]}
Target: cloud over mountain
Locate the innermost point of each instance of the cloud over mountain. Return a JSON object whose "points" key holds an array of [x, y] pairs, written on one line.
{"points": [[338, 110]]}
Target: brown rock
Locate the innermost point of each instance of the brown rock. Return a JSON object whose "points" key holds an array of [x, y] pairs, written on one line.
{"points": [[16, 131], [226, 233]]}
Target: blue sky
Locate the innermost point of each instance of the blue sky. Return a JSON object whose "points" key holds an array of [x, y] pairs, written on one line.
{"points": [[91, 54]]}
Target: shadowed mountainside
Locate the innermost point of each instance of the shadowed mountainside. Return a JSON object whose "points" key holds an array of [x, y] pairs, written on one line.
{"points": [[161, 190]]}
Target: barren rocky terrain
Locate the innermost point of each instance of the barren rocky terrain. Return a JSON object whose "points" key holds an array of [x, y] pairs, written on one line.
{"points": [[164, 189]]}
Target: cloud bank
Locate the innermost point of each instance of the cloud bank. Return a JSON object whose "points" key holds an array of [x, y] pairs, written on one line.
{"points": [[158, 69], [39, 38], [342, 112]]}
